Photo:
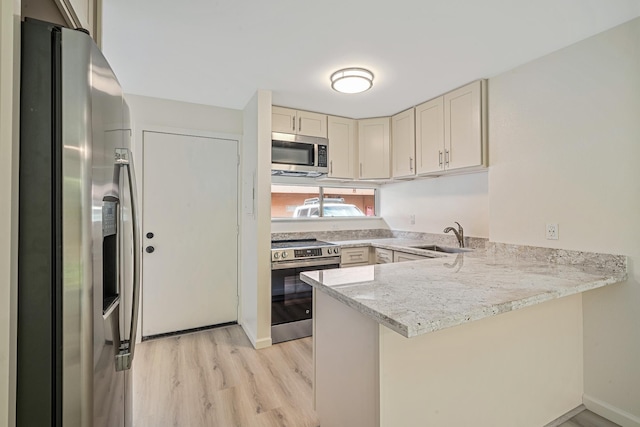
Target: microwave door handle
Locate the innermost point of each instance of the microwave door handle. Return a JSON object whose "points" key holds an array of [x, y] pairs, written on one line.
{"points": [[124, 358]]}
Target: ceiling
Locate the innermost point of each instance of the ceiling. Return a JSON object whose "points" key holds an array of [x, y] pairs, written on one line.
{"points": [[219, 52]]}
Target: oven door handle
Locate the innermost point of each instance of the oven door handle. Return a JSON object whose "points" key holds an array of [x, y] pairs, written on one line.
{"points": [[282, 265]]}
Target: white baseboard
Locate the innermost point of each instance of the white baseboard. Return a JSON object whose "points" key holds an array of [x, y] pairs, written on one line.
{"points": [[256, 343], [263, 343], [610, 412], [566, 417]]}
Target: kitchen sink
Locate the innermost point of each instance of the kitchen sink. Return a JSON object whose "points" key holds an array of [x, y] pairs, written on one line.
{"points": [[445, 249]]}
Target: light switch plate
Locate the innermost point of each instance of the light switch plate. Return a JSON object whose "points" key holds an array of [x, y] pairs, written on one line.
{"points": [[552, 231]]}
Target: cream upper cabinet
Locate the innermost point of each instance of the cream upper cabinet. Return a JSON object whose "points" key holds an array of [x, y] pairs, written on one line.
{"points": [[451, 131], [464, 127], [287, 120], [343, 147], [403, 141], [374, 148], [430, 136], [84, 14], [283, 120]]}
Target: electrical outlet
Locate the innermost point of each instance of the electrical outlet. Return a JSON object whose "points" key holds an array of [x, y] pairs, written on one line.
{"points": [[412, 219], [552, 231]]}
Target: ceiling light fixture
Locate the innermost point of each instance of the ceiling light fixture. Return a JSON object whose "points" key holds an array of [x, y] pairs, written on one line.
{"points": [[352, 80]]}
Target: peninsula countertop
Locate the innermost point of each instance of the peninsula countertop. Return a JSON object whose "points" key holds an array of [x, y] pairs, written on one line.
{"points": [[418, 297]]}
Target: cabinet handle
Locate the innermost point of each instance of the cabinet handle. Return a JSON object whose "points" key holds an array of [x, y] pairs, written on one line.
{"points": [[299, 124], [360, 170], [355, 255], [410, 164], [440, 158], [293, 123], [331, 167], [446, 157]]}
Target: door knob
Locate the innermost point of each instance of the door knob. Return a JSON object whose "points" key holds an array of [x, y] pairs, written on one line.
{"points": [[149, 235], [150, 249]]}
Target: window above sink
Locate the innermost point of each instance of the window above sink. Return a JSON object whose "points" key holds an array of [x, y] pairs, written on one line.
{"points": [[319, 201]]}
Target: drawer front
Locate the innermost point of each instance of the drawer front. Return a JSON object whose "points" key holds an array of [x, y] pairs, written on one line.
{"points": [[355, 264], [351, 256], [403, 256], [384, 256]]}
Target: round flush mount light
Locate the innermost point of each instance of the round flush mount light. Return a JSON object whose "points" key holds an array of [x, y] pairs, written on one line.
{"points": [[352, 80]]}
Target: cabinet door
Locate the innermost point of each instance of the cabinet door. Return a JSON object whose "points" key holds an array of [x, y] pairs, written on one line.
{"points": [[403, 141], [430, 136], [311, 124], [354, 256], [383, 256], [404, 256], [373, 148], [343, 149], [463, 127], [283, 120]]}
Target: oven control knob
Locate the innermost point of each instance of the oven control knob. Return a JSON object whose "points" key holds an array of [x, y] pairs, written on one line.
{"points": [[284, 255], [276, 255]]}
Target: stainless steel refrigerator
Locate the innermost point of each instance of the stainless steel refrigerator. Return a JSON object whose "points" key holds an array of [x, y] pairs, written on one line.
{"points": [[78, 260]]}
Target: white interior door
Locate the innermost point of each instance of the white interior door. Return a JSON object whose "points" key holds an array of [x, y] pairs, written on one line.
{"points": [[190, 202]]}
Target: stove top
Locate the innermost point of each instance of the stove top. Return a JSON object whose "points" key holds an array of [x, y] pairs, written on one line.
{"points": [[299, 243], [288, 250]]}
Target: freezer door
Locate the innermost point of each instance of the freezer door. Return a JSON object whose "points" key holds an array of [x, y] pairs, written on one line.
{"points": [[93, 390]]}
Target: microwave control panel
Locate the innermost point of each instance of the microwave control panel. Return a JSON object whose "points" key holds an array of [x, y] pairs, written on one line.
{"points": [[322, 156]]}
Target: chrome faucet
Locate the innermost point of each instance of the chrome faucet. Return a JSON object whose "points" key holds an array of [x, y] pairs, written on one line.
{"points": [[459, 233]]}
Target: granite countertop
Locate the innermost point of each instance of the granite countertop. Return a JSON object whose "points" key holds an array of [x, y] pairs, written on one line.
{"points": [[418, 297]]}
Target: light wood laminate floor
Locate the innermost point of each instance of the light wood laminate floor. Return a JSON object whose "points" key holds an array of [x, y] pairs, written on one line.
{"points": [[215, 378], [587, 418]]}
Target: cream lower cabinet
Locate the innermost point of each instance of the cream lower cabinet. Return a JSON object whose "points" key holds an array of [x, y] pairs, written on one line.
{"points": [[374, 148], [383, 256], [403, 143], [298, 122], [451, 131], [354, 257], [404, 256], [367, 375], [343, 147]]}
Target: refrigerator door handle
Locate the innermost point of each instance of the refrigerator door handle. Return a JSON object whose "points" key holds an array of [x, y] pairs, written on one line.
{"points": [[124, 358]]}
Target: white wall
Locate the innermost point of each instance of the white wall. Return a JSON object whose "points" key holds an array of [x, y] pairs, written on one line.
{"points": [[167, 113], [437, 203], [255, 232], [564, 140], [9, 126]]}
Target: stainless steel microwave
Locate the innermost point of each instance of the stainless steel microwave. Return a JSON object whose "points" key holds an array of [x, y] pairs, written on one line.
{"points": [[299, 154]]}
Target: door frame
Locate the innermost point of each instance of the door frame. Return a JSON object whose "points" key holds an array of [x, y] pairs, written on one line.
{"points": [[137, 145]]}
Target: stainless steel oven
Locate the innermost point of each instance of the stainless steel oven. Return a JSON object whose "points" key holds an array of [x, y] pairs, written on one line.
{"points": [[291, 298]]}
